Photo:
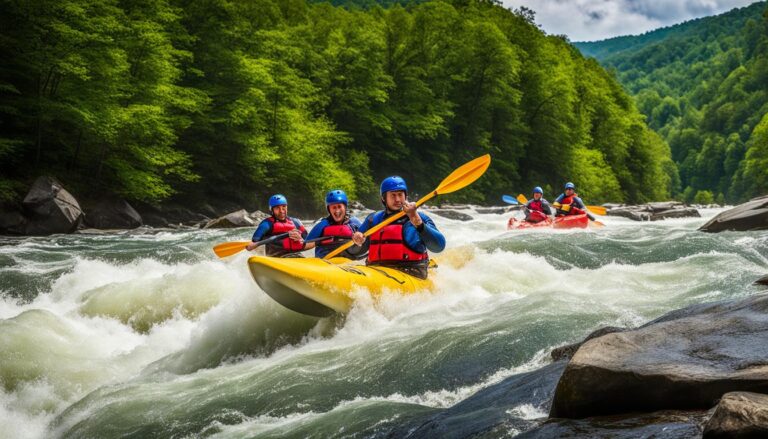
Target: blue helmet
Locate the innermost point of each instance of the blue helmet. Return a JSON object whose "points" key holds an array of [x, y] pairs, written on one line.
{"points": [[277, 200], [538, 190], [570, 185], [336, 196], [393, 183]]}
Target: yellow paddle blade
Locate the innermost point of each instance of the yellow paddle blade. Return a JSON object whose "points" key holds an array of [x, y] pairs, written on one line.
{"points": [[229, 248], [462, 177], [521, 199], [597, 210]]}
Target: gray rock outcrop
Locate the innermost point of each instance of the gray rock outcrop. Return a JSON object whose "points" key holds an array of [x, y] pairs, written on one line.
{"points": [[739, 415], [51, 209], [112, 214], [685, 360], [240, 218], [752, 215], [654, 211], [451, 214]]}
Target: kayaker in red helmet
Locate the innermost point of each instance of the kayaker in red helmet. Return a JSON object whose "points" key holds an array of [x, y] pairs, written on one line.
{"points": [[278, 224], [568, 203], [402, 244], [537, 209]]}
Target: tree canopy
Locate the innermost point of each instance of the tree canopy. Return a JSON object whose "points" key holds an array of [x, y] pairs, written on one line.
{"points": [[235, 100]]}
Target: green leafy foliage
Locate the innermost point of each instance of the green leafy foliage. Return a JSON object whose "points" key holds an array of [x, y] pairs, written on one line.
{"points": [[702, 86], [238, 99]]}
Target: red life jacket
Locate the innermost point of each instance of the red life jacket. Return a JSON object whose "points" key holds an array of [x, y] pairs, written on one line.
{"points": [[536, 216], [343, 230], [388, 245], [573, 210], [535, 205], [278, 227]]}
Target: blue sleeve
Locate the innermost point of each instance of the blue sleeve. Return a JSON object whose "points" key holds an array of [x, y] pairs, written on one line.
{"points": [[429, 236], [355, 224], [559, 198], [578, 203], [366, 224], [317, 230], [261, 230]]}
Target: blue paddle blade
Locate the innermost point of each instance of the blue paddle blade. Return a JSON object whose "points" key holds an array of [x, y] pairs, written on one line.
{"points": [[509, 199]]}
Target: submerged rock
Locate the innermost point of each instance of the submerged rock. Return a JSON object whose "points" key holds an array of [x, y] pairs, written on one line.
{"points": [[113, 214], [752, 215], [52, 209], [762, 281], [665, 424], [240, 218], [451, 214], [739, 415], [685, 360], [493, 411]]}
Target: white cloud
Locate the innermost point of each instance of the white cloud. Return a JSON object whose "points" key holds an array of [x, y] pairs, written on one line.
{"points": [[589, 20]]}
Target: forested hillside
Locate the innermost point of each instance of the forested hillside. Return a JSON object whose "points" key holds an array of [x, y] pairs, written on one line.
{"points": [[204, 99], [704, 87]]}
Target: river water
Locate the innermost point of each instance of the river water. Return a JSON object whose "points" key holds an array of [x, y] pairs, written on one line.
{"points": [[147, 333]]}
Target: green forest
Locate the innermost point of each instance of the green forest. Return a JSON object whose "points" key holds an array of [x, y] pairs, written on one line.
{"points": [[159, 100], [703, 86]]}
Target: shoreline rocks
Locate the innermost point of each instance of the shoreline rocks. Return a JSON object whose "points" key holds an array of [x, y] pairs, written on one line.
{"points": [[739, 415], [655, 211], [752, 215]]}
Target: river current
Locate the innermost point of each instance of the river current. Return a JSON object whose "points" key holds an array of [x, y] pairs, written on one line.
{"points": [[147, 334]]}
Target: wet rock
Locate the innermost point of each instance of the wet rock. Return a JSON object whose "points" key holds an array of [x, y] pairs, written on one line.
{"points": [[493, 210], [762, 281], [567, 351], [739, 415], [752, 215], [661, 206], [240, 218], [356, 205], [685, 360], [12, 221], [685, 212], [112, 214], [636, 213], [665, 424], [451, 214], [258, 216], [169, 214], [51, 208], [491, 412]]}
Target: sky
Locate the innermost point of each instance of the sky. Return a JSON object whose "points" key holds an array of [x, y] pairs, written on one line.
{"points": [[590, 20]]}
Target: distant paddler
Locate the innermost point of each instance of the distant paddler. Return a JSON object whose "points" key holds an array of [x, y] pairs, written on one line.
{"points": [[568, 203], [279, 224], [537, 209], [338, 227], [404, 243]]}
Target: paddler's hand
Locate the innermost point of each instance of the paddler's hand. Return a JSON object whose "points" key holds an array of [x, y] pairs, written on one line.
{"points": [[358, 238], [251, 246], [410, 209], [295, 235]]}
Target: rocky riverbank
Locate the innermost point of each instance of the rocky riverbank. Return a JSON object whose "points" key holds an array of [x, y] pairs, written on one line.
{"points": [[698, 371]]}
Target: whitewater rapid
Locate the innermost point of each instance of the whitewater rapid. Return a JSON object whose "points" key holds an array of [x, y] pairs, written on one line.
{"points": [[147, 333]]}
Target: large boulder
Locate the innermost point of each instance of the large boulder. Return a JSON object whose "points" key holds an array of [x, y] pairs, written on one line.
{"points": [[752, 215], [51, 208], [451, 214], [685, 360], [637, 213], [240, 218], [661, 206], [739, 415], [112, 213], [567, 351]]}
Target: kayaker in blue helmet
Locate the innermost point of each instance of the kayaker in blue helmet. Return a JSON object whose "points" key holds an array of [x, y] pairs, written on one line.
{"points": [[402, 244], [278, 224], [537, 209], [338, 226], [568, 203]]}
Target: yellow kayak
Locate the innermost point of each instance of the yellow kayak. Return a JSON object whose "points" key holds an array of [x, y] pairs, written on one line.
{"points": [[320, 287]]}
